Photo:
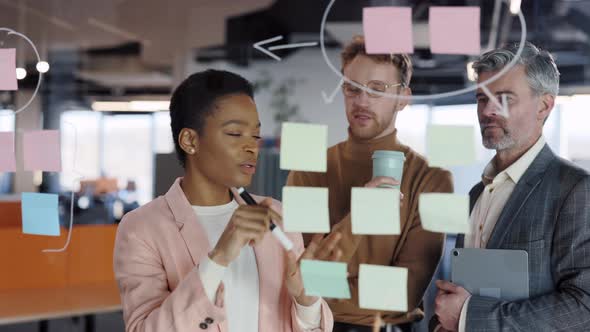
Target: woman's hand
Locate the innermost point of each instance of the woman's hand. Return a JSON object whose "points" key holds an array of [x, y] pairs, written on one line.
{"points": [[319, 248], [248, 225]]}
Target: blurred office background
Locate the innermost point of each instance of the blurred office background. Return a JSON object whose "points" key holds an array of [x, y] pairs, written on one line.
{"points": [[114, 63]]}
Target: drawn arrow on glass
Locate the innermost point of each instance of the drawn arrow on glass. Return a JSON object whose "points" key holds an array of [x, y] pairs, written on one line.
{"points": [[328, 99], [268, 52]]}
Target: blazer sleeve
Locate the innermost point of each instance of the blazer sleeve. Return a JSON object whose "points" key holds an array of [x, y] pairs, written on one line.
{"points": [[568, 307], [148, 303], [327, 322]]}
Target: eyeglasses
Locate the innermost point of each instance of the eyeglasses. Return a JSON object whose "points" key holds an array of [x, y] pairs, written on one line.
{"points": [[350, 90]]}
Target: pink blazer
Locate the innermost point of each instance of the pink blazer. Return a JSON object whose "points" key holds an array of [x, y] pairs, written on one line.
{"points": [[157, 252]]}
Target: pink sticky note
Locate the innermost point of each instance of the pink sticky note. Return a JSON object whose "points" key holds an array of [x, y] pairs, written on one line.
{"points": [[455, 30], [7, 155], [8, 69], [388, 30], [42, 151]]}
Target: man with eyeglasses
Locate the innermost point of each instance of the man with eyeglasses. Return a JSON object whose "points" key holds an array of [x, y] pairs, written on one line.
{"points": [[371, 116]]}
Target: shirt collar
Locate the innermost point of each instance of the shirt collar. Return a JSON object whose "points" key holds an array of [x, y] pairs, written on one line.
{"points": [[517, 169]]}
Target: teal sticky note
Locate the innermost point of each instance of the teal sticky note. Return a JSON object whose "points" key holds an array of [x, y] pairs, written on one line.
{"points": [[325, 279], [305, 210], [383, 287], [444, 213], [449, 146], [40, 214], [304, 147], [375, 211]]}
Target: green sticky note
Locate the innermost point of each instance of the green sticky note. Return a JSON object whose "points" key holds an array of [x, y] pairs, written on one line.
{"points": [[304, 147], [325, 279], [383, 287], [449, 146], [444, 213], [375, 211], [305, 210]]}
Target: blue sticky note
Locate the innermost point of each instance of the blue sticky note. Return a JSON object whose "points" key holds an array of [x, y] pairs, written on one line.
{"points": [[325, 279], [40, 214]]}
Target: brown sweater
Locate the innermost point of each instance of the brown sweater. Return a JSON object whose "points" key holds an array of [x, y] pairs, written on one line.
{"points": [[350, 165]]}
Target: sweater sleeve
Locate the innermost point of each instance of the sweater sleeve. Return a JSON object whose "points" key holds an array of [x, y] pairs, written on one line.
{"points": [[422, 260]]}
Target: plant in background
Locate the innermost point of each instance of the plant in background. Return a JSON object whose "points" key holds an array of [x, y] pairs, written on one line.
{"points": [[284, 109]]}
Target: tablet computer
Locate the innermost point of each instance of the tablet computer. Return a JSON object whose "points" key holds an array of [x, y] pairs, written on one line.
{"points": [[498, 273]]}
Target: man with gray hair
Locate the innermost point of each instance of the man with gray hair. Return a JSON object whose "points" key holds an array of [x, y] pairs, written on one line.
{"points": [[529, 199]]}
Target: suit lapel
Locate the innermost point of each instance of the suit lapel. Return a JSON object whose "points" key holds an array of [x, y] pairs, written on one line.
{"points": [[522, 191], [191, 230]]}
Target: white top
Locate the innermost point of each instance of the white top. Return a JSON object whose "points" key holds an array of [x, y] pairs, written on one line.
{"points": [[240, 278]]}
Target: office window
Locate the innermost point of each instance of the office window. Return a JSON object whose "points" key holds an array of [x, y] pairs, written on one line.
{"points": [[119, 146], [6, 120], [575, 119], [411, 126], [163, 134], [80, 134], [128, 152]]}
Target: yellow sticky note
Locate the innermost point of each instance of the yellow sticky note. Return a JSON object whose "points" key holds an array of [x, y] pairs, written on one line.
{"points": [[449, 146], [304, 147], [383, 287], [305, 210], [375, 211], [444, 213]]}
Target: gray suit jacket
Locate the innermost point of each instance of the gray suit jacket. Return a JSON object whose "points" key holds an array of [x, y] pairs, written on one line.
{"points": [[548, 215]]}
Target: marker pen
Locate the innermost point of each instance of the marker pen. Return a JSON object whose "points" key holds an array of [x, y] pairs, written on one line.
{"points": [[276, 231]]}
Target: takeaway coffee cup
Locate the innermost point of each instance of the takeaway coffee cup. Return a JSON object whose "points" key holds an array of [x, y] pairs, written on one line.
{"points": [[390, 164]]}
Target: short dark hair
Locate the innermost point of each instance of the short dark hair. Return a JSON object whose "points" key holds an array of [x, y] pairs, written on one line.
{"points": [[194, 100]]}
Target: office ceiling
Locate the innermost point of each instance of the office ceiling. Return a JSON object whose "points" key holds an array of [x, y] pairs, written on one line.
{"points": [[118, 44]]}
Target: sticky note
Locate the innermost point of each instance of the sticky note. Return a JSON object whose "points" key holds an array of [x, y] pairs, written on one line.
{"points": [[40, 214], [388, 30], [448, 146], [42, 151], [7, 155], [325, 279], [444, 213], [8, 69], [455, 30], [383, 287], [304, 147], [305, 210], [375, 211]]}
